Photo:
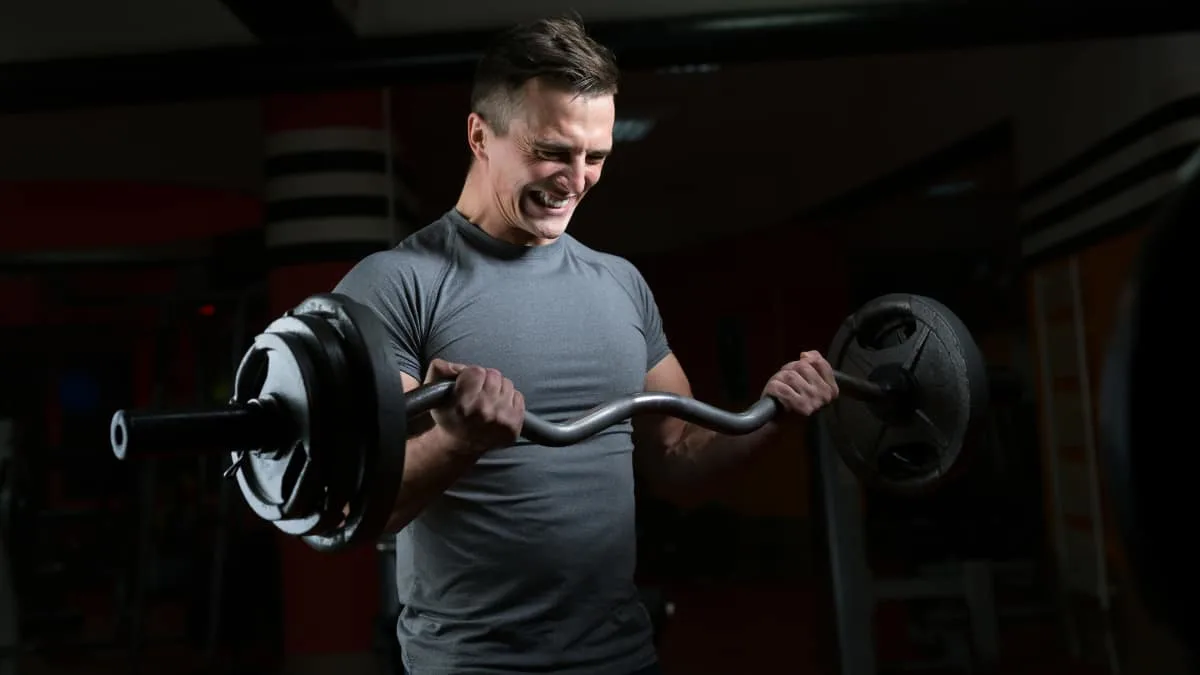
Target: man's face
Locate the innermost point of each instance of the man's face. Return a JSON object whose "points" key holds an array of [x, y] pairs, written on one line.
{"points": [[551, 155]]}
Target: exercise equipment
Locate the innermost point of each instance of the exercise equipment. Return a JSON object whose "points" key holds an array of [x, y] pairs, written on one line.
{"points": [[318, 419], [1148, 467], [937, 383], [316, 425]]}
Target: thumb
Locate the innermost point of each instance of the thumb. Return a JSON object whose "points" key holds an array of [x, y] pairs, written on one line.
{"points": [[440, 369]]}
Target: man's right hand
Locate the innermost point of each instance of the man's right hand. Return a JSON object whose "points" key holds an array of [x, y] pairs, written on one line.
{"points": [[486, 412]]}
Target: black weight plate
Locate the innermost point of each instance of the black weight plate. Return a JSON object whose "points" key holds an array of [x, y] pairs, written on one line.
{"points": [[308, 494], [366, 346], [907, 448], [276, 367], [358, 446], [1149, 468], [339, 456]]}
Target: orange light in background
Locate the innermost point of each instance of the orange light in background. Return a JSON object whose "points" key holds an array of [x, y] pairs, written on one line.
{"points": [[207, 310]]}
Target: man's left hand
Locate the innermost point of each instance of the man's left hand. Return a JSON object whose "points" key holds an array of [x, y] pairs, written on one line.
{"points": [[804, 386]]}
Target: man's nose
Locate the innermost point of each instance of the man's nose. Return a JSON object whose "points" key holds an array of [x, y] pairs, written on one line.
{"points": [[574, 178]]}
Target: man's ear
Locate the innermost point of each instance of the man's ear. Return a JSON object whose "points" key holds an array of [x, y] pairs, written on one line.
{"points": [[478, 136]]}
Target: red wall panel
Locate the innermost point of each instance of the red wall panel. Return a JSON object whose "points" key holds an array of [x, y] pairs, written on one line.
{"points": [[340, 620], [54, 215]]}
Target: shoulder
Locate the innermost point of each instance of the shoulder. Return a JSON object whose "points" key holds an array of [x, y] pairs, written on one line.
{"points": [[620, 268], [412, 269], [421, 256]]}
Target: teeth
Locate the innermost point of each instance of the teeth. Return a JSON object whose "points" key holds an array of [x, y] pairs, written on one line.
{"points": [[546, 200]]}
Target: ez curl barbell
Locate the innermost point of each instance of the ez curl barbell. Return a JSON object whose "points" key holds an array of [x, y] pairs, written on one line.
{"points": [[318, 417]]}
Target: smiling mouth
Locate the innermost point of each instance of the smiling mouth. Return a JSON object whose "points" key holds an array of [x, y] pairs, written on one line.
{"points": [[549, 201]]}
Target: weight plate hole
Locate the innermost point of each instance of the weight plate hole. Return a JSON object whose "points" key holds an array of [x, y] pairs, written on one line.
{"points": [[886, 331], [252, 376], [297, 458]]}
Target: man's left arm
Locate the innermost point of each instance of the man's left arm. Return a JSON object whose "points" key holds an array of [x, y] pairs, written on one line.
{"points": [[676, 459]]}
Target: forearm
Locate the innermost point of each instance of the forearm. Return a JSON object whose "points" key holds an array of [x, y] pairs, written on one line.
{"points": [[699, 458], [433, 460]]}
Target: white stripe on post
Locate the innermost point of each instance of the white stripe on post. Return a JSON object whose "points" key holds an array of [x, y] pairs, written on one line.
{"points": [[315, 184], [328, 229]]}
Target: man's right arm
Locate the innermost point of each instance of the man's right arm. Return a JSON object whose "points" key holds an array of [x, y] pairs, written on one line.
{"points": [[487, 412], [433, 460]]}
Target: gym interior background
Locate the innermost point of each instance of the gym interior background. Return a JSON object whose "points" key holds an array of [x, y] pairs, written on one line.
{"points": [[775, 169]]}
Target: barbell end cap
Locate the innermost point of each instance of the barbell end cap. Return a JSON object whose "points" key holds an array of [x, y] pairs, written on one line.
{"points": [[118, 433]]}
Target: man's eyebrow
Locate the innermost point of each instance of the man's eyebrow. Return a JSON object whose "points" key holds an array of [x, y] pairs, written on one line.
{"points": [[554, 147]]}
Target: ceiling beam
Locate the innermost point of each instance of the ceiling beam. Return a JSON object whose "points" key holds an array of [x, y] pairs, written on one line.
{"points": [[277, 22], [376, 62]]}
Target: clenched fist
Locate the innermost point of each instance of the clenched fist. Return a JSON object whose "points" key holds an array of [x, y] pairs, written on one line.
{"points": [[804, 386], [486, 411]]}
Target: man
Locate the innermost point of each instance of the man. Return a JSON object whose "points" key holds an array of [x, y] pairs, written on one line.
{"points": [[514, 558]]}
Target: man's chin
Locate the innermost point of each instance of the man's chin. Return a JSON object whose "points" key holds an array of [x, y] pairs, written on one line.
{"points": [[547, 228]]}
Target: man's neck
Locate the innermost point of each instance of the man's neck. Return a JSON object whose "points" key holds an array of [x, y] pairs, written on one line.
{"points": [[474, 203], [474, 207]]}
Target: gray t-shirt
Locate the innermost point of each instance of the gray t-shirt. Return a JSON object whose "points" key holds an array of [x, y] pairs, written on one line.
{"points": [[526, 564]]}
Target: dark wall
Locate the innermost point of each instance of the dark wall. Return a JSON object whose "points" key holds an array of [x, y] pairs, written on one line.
{"points": [[737, 310]]}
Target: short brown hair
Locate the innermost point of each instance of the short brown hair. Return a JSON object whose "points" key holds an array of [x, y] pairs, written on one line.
{"points": [[556, 50]]}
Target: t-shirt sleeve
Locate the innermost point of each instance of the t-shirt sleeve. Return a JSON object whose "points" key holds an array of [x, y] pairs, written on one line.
{"points": [[385, 284], [657, 346]]}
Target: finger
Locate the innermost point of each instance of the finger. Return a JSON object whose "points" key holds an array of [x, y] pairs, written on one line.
{"points": [[509, 398], [817, 384], [796, 381], [493, 382], [440, 368], [515, 413], [810, 390], [788, 396], [800, 364], [507, 389], [469, 381], [826, 372], [808, 370], [504, 397]]}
